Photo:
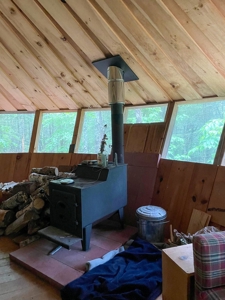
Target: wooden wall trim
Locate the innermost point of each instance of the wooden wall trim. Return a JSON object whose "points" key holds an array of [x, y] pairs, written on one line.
{"points": [[170, 121], [77, 128], [36, 131], [219, 157]]}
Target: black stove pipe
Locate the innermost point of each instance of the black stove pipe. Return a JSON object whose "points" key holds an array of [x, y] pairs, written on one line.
{"points": [[117, 132], [116, 101]]}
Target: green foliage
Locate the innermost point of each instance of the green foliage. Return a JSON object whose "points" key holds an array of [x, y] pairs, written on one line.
{"points": [[195, 135], [15, 132], [197, 131], [56, 132], [146, 114], [95, 125], [209, 139]]}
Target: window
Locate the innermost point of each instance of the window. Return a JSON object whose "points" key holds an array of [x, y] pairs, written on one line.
{"points": [[147, 114], [95, 125], [15, 132], [56, 132], [195, 132]]}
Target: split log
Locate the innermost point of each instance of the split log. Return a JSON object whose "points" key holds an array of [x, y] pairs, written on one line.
{"points": [[23, 205], [67, 175], [27, 186], [44, 189], [37, 204], [40, 179], [42, 192], [14, 201], [21, 222], [52, 171], [6, 217]]}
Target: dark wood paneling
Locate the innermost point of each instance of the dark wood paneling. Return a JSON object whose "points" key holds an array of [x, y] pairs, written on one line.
{"points": [[216, 206], [142, 170]]}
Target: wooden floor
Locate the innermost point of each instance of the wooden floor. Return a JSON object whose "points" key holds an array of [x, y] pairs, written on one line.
{"points": [[19, 283]]}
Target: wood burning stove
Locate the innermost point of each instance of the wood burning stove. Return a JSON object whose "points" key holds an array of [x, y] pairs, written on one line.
{"points": [[95, 194]]}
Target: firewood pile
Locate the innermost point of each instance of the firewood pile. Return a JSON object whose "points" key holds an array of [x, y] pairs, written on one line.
{"points": [[25, 206]]}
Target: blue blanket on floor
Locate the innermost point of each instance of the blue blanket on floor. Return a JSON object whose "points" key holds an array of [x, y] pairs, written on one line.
{"points": [[133, 274]]}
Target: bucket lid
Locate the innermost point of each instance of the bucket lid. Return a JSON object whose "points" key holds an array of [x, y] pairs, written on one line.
{"points": [[151, 212]]}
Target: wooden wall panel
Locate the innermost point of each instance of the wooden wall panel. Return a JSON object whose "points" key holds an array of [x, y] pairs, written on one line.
{"points": [[141, 175], [155, 137], [175, 190], [199, 192], [126, 133], [161, 183], [77, 158], [150, 160], [49, 159], [216, 207], [178, 187], [7, 163], [146, 138], [22, 167], [182, 186], [137, 138]]}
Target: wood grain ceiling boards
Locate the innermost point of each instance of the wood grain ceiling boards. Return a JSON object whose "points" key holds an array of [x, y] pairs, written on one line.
{"points": [[175, 47]]}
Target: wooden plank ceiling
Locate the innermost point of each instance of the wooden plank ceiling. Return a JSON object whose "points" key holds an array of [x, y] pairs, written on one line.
{"points": [[175, 47]]}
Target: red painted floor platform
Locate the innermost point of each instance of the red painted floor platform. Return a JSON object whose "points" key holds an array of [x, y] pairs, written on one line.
{"points": [[67, 265]]}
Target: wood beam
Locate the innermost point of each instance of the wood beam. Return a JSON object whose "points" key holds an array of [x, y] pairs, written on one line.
{"points": [[219, 157], [36, 131]]}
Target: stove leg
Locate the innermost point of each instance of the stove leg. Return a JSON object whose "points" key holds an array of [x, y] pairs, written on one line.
{"points": [[56, 249], [121, 216], [86, 237]]}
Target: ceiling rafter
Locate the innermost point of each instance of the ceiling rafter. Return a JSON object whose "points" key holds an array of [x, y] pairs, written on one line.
{"points": [[175, 47], [195, 82]]}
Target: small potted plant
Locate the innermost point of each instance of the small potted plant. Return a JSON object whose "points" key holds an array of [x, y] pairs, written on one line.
{"points": [[102, 156]]}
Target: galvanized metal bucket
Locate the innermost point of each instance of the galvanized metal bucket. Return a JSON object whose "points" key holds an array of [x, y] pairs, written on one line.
{"points": [[150, 221]]}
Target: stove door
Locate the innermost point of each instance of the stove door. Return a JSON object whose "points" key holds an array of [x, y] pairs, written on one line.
{"points": [[63, 210]]}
